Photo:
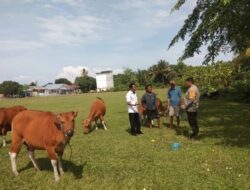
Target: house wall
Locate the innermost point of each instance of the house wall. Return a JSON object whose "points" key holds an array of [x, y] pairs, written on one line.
{"points": [[104, 81]]}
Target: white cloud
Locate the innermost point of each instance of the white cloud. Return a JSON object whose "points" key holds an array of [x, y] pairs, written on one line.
{"points": [[71, 72], [6, 45], [72, 29]]}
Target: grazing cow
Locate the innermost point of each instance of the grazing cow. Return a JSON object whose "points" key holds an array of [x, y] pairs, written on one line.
{"points": [[6, 117], [42, 131], [97, 111]]}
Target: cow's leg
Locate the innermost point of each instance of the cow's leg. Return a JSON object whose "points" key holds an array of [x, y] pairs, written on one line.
{"points": [[59, 156], [103, 122], [53, 159], [32, 158], [96, 124], [13, 156], [3, 131], [15, 148]]}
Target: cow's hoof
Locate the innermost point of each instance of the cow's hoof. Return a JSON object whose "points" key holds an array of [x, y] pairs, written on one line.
{"points": [[61, 172], [16, 174], [57, 179]]}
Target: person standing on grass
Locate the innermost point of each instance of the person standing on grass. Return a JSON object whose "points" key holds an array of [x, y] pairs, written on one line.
{"points": [[173, 103], [192, 104], [149, 103], [132, 102]]}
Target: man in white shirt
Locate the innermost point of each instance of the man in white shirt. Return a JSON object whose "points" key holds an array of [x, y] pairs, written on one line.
{"points": [[132, 102]]}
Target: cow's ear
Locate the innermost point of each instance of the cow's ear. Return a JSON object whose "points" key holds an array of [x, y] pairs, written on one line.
{"points": [[59, 117], [75, 113]]}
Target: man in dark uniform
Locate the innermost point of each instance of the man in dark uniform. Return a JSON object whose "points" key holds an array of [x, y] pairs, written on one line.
{"points": [[149, 102]]}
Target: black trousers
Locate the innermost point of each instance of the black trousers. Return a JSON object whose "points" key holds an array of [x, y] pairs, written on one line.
{"points": [[192, 119], [134, 122]]}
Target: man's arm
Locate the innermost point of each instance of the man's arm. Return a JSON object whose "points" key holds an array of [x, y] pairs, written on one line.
{"points": [[143, 101], [168, 101], [191, 97], [128, 100], [181, 99]]}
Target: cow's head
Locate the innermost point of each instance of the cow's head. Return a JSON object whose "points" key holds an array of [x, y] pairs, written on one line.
{"points": [[67, 120], [86, 125]]}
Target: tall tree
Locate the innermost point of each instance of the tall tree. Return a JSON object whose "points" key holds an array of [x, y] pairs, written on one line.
{"points": [[161, 72], [10, 88], [222, 25], [86, 83], [62, 81], [84, 72]]}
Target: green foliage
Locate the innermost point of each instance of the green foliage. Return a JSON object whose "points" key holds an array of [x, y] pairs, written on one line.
{"points": [[161, 72], [33, 84], [222, 25], [10, 88], [121, 81], [86, 83], [62, 81], [227, 77]]}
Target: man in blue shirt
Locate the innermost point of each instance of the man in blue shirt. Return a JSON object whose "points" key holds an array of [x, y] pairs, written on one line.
{"points": [[174, 102]]}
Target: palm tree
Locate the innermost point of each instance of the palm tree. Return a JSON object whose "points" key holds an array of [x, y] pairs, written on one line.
{"points": [[84, 72], [161, 72]]}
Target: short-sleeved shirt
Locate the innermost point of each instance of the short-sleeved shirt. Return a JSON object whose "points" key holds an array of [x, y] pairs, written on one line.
{"points": [[174, 95], [131, 98], [150, 100], [192, 99]]}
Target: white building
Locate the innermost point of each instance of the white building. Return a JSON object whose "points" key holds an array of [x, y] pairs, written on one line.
{"points": [[104, 80]]}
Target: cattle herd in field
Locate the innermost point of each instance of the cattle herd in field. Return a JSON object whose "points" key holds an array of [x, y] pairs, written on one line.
{"points": [[40, 130]]}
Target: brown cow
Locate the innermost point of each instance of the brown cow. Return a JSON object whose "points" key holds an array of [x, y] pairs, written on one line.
{"points": [[6, 117], [97, 111], [44, 131], [142, 110], [160, 107]]}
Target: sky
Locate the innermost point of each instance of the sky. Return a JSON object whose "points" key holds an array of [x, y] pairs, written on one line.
{"points": [[41, 40]]}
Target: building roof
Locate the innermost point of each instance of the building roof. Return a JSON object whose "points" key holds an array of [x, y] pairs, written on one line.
{"points": [[105, 72], [56, 87]]}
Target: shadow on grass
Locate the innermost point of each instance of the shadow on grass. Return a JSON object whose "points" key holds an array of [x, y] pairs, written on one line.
{"points": [[45, 164], [225, 120]]}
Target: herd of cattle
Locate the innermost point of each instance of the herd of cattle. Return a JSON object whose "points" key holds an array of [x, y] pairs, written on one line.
{"points": [[39, 130]]}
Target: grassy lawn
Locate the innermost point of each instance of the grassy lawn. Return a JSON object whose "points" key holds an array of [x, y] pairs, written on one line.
{"points": [[115, 160]]}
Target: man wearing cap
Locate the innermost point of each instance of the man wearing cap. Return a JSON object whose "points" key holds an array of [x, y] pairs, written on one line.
{"points": [[173, 103]]}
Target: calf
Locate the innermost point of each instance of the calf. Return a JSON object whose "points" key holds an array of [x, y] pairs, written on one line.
{"points": [[43, 131], [97, 111], [6, 117]]}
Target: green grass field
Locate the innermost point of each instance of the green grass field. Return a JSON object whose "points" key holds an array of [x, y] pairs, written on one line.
{"points": [[113, 159]]}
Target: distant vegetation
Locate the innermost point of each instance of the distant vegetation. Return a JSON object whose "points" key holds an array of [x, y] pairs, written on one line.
{"points": [[62, 81], [229, 78]]}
